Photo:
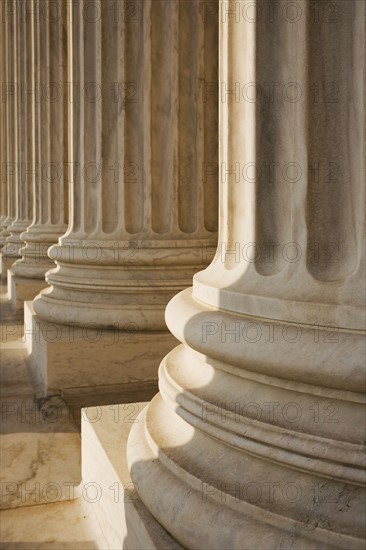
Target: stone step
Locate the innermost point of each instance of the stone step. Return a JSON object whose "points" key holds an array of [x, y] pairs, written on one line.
{"points": [[59, 526], [107, 492]]}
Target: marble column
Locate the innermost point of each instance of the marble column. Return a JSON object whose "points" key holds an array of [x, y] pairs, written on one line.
{"points": [[143, 164], [23, 186], [144, 141], [256, 437], [9, 236], [3, 135], [45, 92]]}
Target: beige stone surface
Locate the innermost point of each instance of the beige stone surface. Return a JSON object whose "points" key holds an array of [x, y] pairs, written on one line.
{"points": [[256, 439], [144, 157], [40, 452], [59, 526], [20, 134], [108, 495], [10, 324], [46, 145], [22, 289], [10, 234], [65, 357], [6, 263], [40, 444], [3, 144]]}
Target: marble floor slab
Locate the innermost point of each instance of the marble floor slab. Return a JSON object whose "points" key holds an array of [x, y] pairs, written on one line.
{"points": [[40, 445], [60, 526]]}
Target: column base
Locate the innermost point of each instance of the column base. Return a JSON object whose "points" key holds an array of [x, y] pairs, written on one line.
{"points": [[116, 510], [90, 361], [21, 289], [240, 442]]}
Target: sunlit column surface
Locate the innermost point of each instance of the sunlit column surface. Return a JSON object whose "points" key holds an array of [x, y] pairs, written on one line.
{"points": [[10, 238], [256, 437], [3, 140], [45, 92], [143, 151], [23, 189]]}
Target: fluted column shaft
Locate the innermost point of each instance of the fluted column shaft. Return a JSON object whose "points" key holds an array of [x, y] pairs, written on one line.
{"points": [[23, 190], [143, 210], [3, 138], [9, 104], [46, 96], [292, 202], [256, 437]]}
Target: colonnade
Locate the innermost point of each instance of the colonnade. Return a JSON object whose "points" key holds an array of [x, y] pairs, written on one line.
{"points": [[255, 439], [111, 142]]}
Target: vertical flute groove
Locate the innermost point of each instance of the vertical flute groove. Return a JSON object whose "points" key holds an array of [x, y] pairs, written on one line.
{"points": [[45, 121], [135, 81], [56, 172], [336, 179], [210, 135], [3, 153], [37, 112], [111, 114], [25, 199], [12, 156], [189, 142], [163, 113], [91, 169]]}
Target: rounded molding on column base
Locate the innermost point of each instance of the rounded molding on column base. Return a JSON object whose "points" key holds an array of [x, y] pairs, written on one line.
{"points": [[35, 262], [12, 249], [106, 309], [242, 500], [27, 269], [262, 440], [111, 292], [14, 242]]}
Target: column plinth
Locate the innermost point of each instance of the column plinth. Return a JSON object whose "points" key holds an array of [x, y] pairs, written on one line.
{"points": [[255, 439]]}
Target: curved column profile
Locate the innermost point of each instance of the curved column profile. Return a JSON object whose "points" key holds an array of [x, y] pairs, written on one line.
{"points": [[144, 145], [256, 437], [45, 94]]}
